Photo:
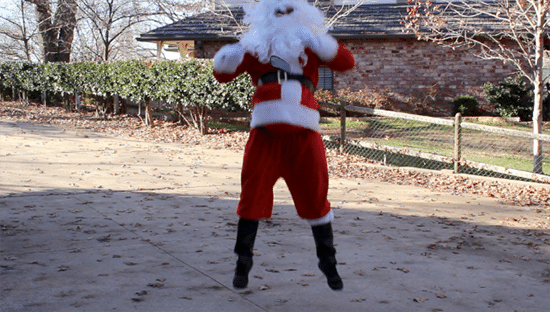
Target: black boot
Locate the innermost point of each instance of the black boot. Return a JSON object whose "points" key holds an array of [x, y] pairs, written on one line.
{"points": [[327, 255], [246, 235]]}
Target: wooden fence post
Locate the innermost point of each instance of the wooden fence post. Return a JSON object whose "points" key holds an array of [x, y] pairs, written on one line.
{"points": [[458, 142], [78, 100], [342, 124], [117, 104], [44, 98]]}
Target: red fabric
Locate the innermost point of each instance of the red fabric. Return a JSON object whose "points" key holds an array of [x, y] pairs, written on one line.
{"points": [[283, 150], [272, 91], [298, 158]]}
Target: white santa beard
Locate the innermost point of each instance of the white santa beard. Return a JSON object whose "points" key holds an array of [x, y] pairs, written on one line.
{"points": [[279, 41]]}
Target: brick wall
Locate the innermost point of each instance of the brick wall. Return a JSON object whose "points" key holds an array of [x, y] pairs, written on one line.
{"points": [[409, 67], [207, 49]]}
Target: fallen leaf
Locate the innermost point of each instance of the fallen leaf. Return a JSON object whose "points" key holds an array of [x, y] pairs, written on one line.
{"points": [[155, 285], [340, 165]]}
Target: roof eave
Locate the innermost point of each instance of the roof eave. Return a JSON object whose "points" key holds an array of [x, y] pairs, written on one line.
{"points": [[234, 38], [373, 36], [187, 38]]}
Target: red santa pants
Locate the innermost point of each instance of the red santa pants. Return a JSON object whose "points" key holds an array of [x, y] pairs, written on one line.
{"points": [[299, 159]]}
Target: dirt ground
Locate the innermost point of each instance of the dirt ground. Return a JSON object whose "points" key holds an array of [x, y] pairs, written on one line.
{"points": [[94, 221]]}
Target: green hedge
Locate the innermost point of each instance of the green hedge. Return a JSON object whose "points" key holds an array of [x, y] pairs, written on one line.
{"points": [[178, 83]]}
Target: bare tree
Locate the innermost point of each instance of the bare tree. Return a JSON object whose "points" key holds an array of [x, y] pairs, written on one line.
{"points": [[107, 28], [88, 45], [175, 10], [106, 21], [56, 22], [513, 31], [19, 33]]}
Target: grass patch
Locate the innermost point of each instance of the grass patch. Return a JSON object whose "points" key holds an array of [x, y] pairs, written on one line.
{"points": [[228, 126], [518, 126], [478, 146], [517, 163], [335, 123]]}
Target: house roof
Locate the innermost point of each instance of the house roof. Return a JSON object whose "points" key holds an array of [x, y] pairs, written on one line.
{"points": [[367, 21]]}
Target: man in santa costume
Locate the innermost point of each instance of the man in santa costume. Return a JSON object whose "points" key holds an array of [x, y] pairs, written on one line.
{"points": [[282, 51]]}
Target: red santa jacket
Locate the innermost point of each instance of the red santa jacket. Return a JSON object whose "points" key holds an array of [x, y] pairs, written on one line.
{"points": [[288, 105]]}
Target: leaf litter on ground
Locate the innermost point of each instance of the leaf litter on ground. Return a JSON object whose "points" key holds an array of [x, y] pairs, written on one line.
{"points": [[341, 165]]}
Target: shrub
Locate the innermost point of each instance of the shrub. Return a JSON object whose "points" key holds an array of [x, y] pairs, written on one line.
{"points": [[185, 84], [513, 97], [467, 105]]}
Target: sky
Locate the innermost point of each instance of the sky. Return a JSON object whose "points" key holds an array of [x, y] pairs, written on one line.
{"points": [[3, 4]]}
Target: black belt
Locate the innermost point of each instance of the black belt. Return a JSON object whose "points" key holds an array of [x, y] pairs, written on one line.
{"points": [[282, 75]]}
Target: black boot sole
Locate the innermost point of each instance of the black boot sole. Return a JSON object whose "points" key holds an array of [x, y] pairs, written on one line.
{"points": [[244, 265], [240, 281], [334, 280]]}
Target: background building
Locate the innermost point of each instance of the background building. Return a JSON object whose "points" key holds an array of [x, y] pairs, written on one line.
{"points": [[389, 60]]}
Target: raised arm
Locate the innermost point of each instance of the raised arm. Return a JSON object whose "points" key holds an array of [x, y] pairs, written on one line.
{"points": [[332, 54], [227, 62]]}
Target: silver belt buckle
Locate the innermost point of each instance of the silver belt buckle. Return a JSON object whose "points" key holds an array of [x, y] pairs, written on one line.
{"points": [[279, 76]]}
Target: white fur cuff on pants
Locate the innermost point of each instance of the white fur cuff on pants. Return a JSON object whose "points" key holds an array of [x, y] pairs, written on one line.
{"points": [[323, 220]]}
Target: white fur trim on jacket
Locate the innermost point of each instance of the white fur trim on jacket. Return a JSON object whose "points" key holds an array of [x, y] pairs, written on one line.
{"points": [[272, 112], [323, 220], [288, 109], [228, 58]]}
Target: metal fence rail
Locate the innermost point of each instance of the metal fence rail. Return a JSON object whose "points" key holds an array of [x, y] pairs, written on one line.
{"points": [[408, 140]]}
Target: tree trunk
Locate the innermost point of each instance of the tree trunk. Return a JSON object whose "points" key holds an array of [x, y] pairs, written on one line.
{"points": [[537, 128], [198, 117], [538, 90], [148, 113], [66, 15], [202, 119], [56, 30]]}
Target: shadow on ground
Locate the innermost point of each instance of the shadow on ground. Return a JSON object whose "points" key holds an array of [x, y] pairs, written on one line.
{"points": [[90, 250]]}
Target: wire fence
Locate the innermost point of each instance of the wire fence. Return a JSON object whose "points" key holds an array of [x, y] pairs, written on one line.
{"points": [[406, 140]]}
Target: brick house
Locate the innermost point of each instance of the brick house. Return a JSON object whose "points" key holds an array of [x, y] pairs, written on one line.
{"points": [[388, 59]]}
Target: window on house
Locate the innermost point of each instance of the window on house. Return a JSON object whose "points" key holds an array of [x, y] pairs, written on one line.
{"points": [[325, 78]]}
